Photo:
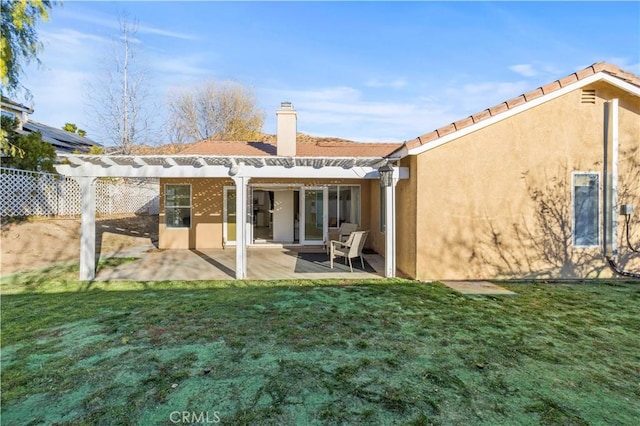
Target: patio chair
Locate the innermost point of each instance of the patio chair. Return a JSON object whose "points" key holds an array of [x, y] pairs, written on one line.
{"points": [[341, 234], [350, 248]]}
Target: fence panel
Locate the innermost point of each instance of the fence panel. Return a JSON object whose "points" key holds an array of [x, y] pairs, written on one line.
{"points": [[24, 193]]}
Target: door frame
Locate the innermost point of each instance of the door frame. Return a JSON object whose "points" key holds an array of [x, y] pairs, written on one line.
{"points": [[301, 207], [225, 212], [325, 211]]}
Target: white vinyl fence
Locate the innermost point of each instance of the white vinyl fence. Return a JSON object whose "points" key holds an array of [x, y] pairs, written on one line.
{"points": [[24, 193]]}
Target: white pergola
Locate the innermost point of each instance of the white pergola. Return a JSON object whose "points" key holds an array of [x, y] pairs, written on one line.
{"points": [[85, 169]]}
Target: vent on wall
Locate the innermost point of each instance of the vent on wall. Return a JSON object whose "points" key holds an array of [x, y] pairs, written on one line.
{"points": [[588, 96]]}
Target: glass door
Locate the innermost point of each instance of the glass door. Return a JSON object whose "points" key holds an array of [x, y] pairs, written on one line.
{"points": [[314, 214], [229, 228]]}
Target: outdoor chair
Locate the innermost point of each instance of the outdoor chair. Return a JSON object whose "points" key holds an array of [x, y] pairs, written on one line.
{"points": [[342, 233], [350, 248]]}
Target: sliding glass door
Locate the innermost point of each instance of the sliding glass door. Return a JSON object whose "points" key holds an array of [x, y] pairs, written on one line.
{"points": [[314, 210]]}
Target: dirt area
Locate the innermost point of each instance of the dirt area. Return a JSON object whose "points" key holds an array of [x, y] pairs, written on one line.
{"points": [[39, 242]]}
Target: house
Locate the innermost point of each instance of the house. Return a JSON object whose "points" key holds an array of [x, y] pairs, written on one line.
{"points": [[530, 188], [222, 194], [527, 188], [63, 142]]}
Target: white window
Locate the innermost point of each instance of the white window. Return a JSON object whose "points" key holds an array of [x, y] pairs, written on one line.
{"points": [[344, 205], [177, 206], [586, 209]]}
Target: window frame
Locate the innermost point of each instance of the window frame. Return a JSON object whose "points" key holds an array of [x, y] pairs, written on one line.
{"points": [[598, 198], [190, 206], [225, 214], [338, 188]]}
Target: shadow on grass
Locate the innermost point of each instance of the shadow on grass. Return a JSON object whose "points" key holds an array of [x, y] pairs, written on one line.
{"points": [[57, 278]]}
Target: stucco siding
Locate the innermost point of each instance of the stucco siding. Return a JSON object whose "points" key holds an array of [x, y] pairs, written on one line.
{"points": [[376, 236], [497, 203], [406, 219], [206, 216]]}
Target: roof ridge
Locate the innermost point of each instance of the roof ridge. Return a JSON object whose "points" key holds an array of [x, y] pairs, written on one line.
{"points": [[538, 92]]}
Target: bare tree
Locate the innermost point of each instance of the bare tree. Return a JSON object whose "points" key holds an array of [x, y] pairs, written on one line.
{"points": [[220, 111], [117, 100]]}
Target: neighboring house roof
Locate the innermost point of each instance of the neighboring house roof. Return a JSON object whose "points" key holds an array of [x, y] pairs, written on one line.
{"points": [[13, 105], [317, 148], [597, 71], [62, 141]]}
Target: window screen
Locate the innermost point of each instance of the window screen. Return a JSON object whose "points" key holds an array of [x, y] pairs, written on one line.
{"points": [[585, 209], [344, 205], [177, 206]]}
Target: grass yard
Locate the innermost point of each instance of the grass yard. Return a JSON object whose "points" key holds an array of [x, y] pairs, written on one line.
{"points": [[324, 352]]}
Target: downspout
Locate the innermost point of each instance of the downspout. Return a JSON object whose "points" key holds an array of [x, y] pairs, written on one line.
{"points": [[610, 210], [610, 202]]}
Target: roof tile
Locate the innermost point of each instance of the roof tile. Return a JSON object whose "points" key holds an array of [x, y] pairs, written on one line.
{"points": [[494, 110], [414, 143], [551, 87], [565, 81], [601, 66], [482, 115], [534, 94], [465, 122], [584, 73], [442, 131], [514, 102]]}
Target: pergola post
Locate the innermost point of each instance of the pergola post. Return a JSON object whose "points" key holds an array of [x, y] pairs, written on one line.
{"points": [[242, 191], [390, 228], [88, 228]]}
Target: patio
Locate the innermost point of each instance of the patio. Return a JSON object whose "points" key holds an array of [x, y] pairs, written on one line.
{"points": [[263, 263]]}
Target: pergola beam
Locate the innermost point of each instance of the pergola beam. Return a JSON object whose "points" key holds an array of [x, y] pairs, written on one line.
{"points": [[219, 167], [208, 171]]}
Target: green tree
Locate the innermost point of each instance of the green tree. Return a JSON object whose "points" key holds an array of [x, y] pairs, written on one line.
{"points": [[36, 155], [19, 42], [96, 150], [70, 127]]}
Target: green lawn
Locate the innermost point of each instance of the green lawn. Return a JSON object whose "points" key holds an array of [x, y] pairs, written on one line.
{"points": [[324, 352]]}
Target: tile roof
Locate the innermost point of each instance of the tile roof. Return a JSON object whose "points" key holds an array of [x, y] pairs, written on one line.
{"points": [[524, 98], [311, 147]]}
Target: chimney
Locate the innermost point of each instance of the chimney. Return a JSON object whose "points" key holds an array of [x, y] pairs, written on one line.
{"points": [[287, 128]]}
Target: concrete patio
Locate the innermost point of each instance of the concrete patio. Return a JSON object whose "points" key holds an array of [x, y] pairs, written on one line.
{"points": [[264, 263]]}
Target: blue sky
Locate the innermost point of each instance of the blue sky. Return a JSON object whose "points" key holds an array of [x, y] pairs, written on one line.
{"points": [[366, 71]]}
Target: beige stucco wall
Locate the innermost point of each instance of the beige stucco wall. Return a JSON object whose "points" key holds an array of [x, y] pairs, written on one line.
{"points": [[207, 209], [206, 216], [406, 208], [376, 238], [497, 203]]}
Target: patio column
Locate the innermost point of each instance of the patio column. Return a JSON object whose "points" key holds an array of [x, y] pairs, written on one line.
{"points": [[242, 191], [88, 228], [390, 227]]}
